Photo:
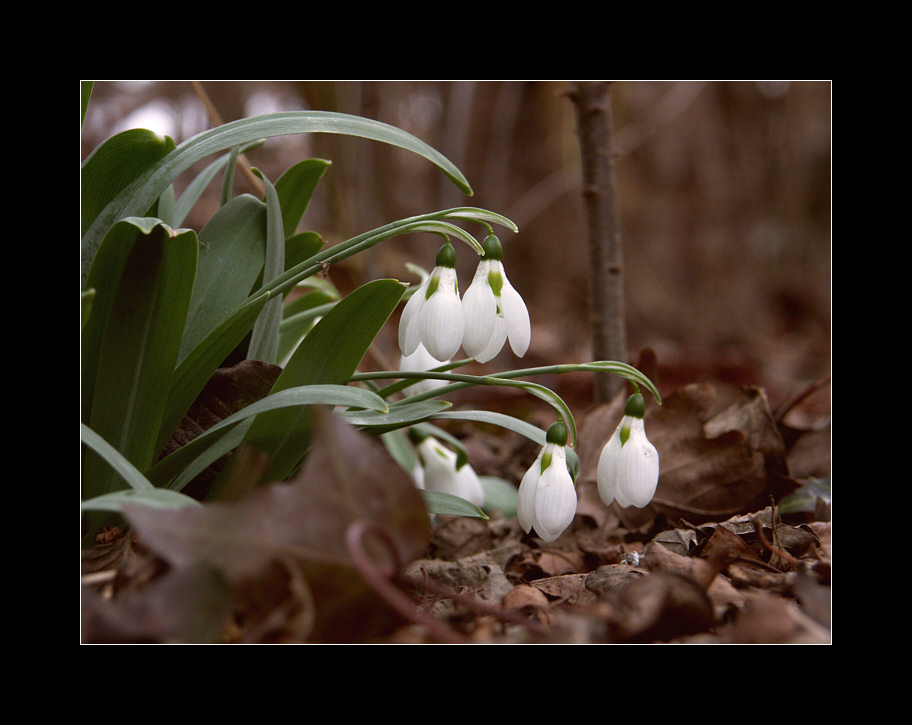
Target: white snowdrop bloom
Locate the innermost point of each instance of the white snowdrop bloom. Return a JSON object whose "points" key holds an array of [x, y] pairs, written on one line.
{"points": [[433, 316], [494, 310], [438, 464], [628, 468], [418, 362], [547, 497]]}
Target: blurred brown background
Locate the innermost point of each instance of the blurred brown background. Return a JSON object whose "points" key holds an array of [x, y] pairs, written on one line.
{"points": [[724, 192]]}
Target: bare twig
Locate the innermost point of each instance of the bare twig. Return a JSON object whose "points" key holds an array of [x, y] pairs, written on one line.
{"points": [[609, 335], [216, 120]]}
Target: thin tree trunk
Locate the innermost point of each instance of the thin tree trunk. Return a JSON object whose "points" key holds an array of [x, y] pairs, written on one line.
{"points": [[607, 313]]}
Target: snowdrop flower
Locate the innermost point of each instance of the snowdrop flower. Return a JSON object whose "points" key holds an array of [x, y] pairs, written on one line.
{"points": [[547, 498], [494, 311], [422, 361], [439, 472], [628, 468], [433, 315]]}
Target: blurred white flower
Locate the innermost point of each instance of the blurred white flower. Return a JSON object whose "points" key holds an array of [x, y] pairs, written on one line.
{"points": [[494, 310], [433, 316], [439, 472], [547, 497], [418, 362], [628, 468]]}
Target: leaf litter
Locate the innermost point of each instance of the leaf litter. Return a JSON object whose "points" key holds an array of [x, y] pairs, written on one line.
{"points": [[734, 549]]}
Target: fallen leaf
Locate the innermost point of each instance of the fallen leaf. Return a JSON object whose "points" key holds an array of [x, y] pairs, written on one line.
{"points": [[347, 478]]}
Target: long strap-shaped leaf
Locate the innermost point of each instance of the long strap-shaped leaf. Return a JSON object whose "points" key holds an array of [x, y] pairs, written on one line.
{"points": [[328, 355], [139, 196], [139, 347], [188, 460]]}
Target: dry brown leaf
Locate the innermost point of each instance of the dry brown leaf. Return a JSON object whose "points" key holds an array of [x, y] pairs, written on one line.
{"points": [[347, 478]]}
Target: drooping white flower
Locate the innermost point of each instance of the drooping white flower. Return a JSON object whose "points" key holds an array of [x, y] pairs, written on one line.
{"points": [[546, 501], [494, 310], [439, 472], [628, 468], [433, 316], [421, 361]]}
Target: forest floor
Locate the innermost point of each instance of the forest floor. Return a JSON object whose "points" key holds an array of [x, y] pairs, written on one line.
{"points": [[735, 547]]}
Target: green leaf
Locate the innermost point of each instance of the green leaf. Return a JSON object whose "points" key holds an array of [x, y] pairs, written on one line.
{"points": [[113, 165], [301, 247], [329, 354], [231, 256], [121, 465], [500, 495], [264, 342], [508, 422], [85, 93], [295, 187], [438, 502], [161, 498], [201, 181], [196, 368], [86, 298], [139, 344], [180, 467], [300, 315], [139, 196], [398, 416]]}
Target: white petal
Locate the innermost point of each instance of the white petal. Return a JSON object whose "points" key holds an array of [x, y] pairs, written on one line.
{"points": [[496, 342], [480, 310], [555, 501], [408, 321], [469, 485], [441, 321], [422, 361], [516, 315], [525, 499], [638, 467], [607, 468], [440, 473]]}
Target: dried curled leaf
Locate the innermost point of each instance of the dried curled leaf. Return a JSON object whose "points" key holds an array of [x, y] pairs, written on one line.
{"points": [[347, 477]]}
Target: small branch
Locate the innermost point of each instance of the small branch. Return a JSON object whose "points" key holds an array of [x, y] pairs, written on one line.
{"points": [[594, 125], [216, 120]]}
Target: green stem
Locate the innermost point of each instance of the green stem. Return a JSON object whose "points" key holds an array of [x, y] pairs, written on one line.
{"points": [[435, 222], [628, 372], [459, 381]]}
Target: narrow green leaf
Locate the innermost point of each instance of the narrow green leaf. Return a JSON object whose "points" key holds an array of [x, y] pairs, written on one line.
{"points": [[445, 503], [139, 196], [398, 416], [139, 348], [231, 256], [86, 298], [295, 187], [228, 181], [85, 93], [121, 465], [264, 343], [329, 354], [155, 498], [500, 495], [197, 367], [114, 165], [184, 463], [200, 183]]}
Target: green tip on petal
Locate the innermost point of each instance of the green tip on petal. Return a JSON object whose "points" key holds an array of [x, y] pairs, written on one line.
{"points": [[625, 434], [557, 433], [492, 247], [495, 281], [446, 257], [636, 406]]}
